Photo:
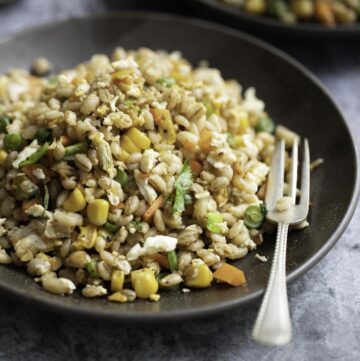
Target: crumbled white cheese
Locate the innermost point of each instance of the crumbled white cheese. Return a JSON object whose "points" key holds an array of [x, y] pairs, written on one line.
{"points": [[15, 89], [36, 210], [251, 103], [145, 189], [124, 64], [148, 160], [82, 89], [115, 193], [260, 258], [209, 76], [38, 173], [113, 103], [152, 245], [26, 153]]}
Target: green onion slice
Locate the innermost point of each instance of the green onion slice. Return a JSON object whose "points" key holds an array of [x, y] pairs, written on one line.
{"points": [[214, 222], [254, 216], [173, 263], [35, 156]]}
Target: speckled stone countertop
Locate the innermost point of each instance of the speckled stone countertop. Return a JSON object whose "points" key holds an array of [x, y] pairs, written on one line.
{"points": [[325, 303]]}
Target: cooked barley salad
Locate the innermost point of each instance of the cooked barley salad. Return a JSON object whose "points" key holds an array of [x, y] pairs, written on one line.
{"points": [[126, 176]]}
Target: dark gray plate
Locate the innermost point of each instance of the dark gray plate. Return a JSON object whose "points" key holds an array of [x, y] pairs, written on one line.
{"points": [[266, 25], [293, 97]]}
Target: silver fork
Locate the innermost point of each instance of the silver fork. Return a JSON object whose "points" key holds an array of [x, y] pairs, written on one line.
{"points": [[273, 325]]}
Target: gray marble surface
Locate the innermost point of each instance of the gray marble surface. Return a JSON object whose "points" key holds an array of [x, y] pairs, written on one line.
{"points": [[325, 303]]}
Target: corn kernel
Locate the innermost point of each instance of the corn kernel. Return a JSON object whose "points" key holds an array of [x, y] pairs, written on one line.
{"points": [[238, 140], [164, 121], [122, 74], [138, 138], [102, 110], [128, 145], [243, 123], [255, 6], [155, 297], [117, 280], [117, 297], [97, 211], [123, 155], [202, 279], [3, 157], [75, 202], [144, 282], [86, 238], [179, 77]]}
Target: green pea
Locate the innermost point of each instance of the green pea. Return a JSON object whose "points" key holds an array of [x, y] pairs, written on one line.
{"points": [[43, 135], [265, 124], [121, 177], [167, 82], [111, 228], [4, 122], [12, 142]]}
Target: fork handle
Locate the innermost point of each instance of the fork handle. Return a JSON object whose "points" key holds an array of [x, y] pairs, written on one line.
{"points": [[273, 325]]}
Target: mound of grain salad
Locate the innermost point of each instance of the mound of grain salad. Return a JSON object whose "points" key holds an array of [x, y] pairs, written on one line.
{"points": [[125, 176]]}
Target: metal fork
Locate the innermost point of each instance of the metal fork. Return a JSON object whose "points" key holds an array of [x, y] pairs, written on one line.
{"points": [[273, 325]]}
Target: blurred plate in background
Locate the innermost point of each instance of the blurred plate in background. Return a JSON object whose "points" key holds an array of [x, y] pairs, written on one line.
{"points": [[264, 25]]}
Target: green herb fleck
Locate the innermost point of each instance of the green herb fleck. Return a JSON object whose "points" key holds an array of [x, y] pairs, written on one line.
{"points": [[167, 81], [265, 124], [46, 197], [4, 122], [231, 140], [182, 184], [188, 199], [91, 268], [137, 224], [121, 177], [43, 135], [130, 102], [209, 108], [111, 228]]}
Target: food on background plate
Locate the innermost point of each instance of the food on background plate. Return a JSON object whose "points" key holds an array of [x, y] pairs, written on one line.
{"points": [[128, 176], [325, 12]]}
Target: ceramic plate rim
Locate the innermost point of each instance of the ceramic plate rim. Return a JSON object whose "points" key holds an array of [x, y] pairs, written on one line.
{"points": [[224, 306]]}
